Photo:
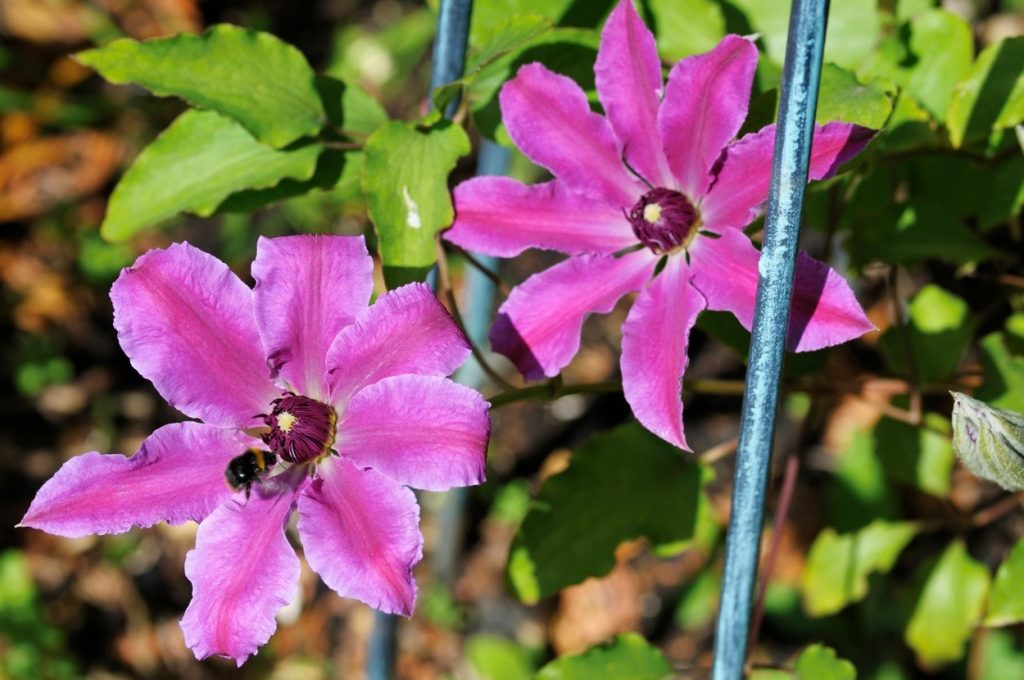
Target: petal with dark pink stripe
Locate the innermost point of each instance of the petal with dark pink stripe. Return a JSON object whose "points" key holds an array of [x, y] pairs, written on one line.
{"points": [[360, 532], [705, 104], [824, 312], [176, 476], [186, 322], [423, 431], [628, 78], [654, 340], [405, 331], [549, 119], [243, 571], [741, 187], [307, 289], [503, 217], [538, 327]]}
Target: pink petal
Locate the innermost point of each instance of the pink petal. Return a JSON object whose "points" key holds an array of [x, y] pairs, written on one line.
{"points": [[705, 105], [825, 311], [360, 532], [422, 431], [307, 289], [742, 184], [549, 119], [538, 327], [628, 78], [503, 217], [404, 331], [654, 340], [177, 476], [243, 571], [186, 322]]}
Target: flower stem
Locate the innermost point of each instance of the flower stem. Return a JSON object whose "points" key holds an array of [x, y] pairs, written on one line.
{"points": [[908, 350], [444, 285], [549, 391], [480, 267]]}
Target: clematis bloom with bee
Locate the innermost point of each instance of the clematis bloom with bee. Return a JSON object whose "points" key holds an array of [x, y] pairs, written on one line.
{"points": [[341, 405]]}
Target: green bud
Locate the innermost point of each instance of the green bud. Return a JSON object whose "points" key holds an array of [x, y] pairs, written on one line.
{"points": [[989, 441]]}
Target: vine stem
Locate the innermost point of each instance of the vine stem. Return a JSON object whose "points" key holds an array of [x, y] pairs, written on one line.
{"points": [[1000, 508], [448, 294], [499, 283], [555, 388], [908, 350], [778, 524]]}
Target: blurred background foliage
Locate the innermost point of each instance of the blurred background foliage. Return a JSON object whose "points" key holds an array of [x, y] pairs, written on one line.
{"points": [[884, 555]]}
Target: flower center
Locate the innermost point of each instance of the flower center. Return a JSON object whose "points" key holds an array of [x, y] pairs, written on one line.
{"points": [[663, 220], [301, 429]]}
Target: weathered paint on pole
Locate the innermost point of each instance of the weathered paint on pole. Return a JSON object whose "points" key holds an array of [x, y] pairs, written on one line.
{"points": [[797, 105]]}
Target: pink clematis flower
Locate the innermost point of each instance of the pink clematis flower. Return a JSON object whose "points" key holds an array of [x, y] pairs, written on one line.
{"points": [[661, 178], [353, 407]]}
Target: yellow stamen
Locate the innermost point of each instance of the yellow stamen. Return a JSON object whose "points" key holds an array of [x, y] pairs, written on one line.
{"points": [[652, 212], [286, 421]]}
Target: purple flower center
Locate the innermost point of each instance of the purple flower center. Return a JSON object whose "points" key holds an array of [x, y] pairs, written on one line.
{"points": [[301, 429], [663, 220]]}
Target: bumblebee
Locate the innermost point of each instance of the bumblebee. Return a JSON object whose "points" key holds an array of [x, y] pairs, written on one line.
{"points": [[243, 471]]}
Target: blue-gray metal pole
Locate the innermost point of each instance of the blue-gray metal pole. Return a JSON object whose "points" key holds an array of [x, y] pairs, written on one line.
{"points": [[449, 60], [450, 46], [797, 104]]}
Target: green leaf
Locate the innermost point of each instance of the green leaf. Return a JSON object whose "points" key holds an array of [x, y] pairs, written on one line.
{"points": [[628, 657], [909, 213], [1004, 197], [939, 328], [196, 163], [620, 485], [498, 43], [568, 51], [917, 456], [819, 662], [489, 14], [699, 601], [936, 57], [992, 95], [350, 108], [495, 658], [253, 77], [949, 603], [989, 441], [853, 28], [843, 97], [941, 41], [838, 566], [405, 179], [336, 171], [1003, 363], [1006, 600], [1003, 657], [686, 27], [861, 491], [507, 36], [908, 9]]}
